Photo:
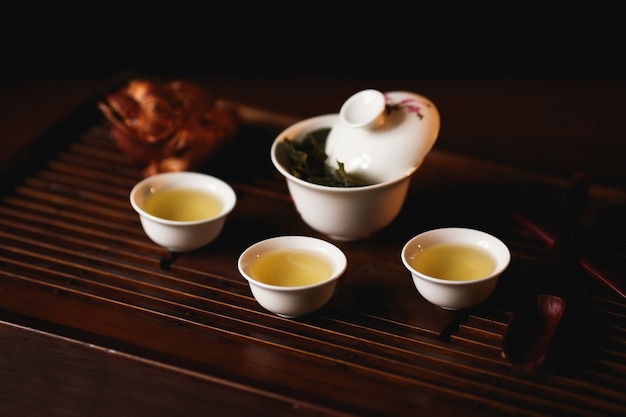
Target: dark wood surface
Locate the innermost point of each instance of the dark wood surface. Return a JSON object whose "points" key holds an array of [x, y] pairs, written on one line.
{"points": [[97, 320]]}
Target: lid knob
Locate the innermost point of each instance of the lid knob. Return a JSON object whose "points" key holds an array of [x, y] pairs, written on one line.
{"points": [[363, 109]]}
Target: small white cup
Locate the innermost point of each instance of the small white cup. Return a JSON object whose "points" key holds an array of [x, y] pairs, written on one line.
{"points": [[452, 294], [292, 299], [180, 235]]}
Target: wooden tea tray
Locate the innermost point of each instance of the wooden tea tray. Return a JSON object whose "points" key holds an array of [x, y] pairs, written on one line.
{"points": [[96, 319]]}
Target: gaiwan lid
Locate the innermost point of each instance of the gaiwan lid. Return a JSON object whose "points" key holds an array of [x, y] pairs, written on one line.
{"points": [[383, 136]]}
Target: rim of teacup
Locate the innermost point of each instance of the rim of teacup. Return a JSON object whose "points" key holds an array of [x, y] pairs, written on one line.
{"points": [[291, 241], [226, 194], [409, 248]]}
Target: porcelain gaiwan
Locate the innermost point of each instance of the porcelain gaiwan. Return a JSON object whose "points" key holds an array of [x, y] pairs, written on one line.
{"points": [[358, 184], [383, 136]]}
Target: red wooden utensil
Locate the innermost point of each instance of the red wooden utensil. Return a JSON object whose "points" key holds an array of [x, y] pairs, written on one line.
{"points": [[535, 321]]}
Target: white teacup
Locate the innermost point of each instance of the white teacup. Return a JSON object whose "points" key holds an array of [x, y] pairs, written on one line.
{"points": [[182, 211], [292, 276], [455, 267]]}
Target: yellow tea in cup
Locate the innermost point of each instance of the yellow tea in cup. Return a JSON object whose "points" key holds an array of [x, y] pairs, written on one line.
{"points": [[183, 204], [291, 268], [455, 262]]}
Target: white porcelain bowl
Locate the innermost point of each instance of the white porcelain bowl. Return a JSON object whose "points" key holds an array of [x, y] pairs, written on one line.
{"points": [[341, 213], [183, 235], [292, 285], [442, 288]]}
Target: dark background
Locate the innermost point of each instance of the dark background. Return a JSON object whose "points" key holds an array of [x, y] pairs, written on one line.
{"points": [[313, 39]]}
